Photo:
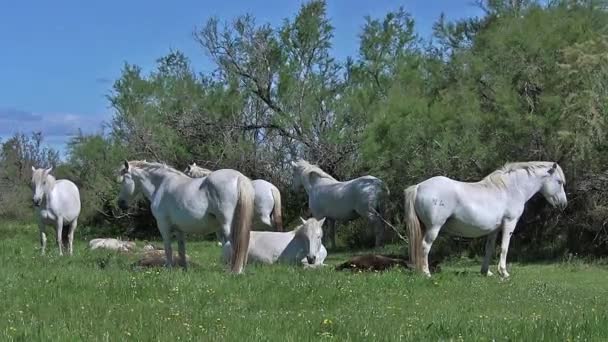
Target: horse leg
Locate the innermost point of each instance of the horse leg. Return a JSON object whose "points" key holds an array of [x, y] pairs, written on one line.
{"points": [[375, 221], [332, 233], [59, 224], [181, 249], [427, 242], [507, 231], [42, 231], [72, 228], [165, 232], [220, 239], [490, 243]]}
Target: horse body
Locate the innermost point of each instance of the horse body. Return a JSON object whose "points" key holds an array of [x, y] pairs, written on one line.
{"points": [[342, 201], [111, 244], [57, 203], [221, 202], [478, 209], [267, 202], [301, 245]]}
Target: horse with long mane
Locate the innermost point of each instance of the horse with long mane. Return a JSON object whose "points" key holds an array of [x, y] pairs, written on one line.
{"points": [[57, 203], [477, 209], [267, 202], [180, 204], [342, 201], [302, 245]]}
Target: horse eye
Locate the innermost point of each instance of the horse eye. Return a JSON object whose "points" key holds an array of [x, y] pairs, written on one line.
{"points": [[559, 181]]}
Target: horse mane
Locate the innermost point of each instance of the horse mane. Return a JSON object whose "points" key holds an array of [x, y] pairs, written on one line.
{"points": [[498, 178], [154, 166], [307, 169]]}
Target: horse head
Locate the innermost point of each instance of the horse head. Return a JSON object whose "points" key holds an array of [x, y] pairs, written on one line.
{"points": [[311, 233], [127, 186], [42, 183], [553, 187]]}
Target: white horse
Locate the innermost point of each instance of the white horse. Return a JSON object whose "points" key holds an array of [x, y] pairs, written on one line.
{"points": [[112, 244], [342, 201], [301, 245], [57, 203], [180, 204], [267, 199], [484, 208]]}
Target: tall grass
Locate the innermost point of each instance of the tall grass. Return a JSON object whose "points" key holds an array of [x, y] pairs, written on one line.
{"points": [[98, 296]]}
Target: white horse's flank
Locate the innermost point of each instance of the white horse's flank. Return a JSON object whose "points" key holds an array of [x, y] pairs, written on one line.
{"points": [[342, 201], [267, 201], [112, 244], [301, 245], [57, 203], [221, 201], [478, 209]]}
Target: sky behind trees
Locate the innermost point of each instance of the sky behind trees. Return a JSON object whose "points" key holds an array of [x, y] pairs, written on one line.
{"points": [[60, 58]]}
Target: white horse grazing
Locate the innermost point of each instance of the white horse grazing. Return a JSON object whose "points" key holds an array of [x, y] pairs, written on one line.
{"points": [[57, 203], [180, 204], [301, 245], [267, 199], [112, 244], [484, 208], [342, 201]]}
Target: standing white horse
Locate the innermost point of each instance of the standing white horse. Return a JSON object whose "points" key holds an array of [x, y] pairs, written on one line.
{"points": [[180, 204], [484, 208], [342, 201], [301, 245], [57, 203], [267, 198]]}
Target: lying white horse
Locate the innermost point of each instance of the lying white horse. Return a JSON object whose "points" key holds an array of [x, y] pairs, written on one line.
{"points": [[112, 244], [180, 204], [267, 198], [342, 201], [484, 208], [301, 245], [57, 203]]}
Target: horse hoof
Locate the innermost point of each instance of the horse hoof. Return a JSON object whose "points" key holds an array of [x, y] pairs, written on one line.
{"points": [[487, 273]]}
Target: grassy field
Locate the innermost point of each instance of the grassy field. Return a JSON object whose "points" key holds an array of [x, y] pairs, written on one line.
{"points": [[97, 296]]}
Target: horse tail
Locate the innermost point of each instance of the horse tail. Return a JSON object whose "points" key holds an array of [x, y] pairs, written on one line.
{"points": [[277, 214], [241, 224], [414, 227]]}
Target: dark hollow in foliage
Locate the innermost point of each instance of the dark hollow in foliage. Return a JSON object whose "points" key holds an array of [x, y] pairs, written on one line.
{"points": [[378, 262]]}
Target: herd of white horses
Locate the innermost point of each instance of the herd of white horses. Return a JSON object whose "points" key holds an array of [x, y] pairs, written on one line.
{"points": [[228, 203]]}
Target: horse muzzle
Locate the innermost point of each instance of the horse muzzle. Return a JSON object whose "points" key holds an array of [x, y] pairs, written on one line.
{"points": [[311, 259], [36, 202]]}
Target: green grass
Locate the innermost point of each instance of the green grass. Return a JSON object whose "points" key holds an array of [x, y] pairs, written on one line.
{"points": [[97, 296]]}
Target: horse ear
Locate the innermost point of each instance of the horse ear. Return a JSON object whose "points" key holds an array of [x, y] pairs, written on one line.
{"points": [[293, 163], [33, 168], [303, 220], [126, 164], [193, 164], [321, 221], [48, 171], [553, 168]]}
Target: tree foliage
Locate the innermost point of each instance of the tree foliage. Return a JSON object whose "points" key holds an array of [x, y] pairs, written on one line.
{"points": [[525, 81]]}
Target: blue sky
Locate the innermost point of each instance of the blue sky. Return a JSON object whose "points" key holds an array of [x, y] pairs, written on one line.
{"points": [[58, 59]]}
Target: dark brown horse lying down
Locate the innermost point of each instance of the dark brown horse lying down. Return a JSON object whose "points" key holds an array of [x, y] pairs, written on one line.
{"points": [[377, 262], [156, 258]]}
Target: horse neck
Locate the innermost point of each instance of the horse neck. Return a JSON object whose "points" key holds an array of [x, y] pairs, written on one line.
{"points": [[48, 191], [149, 181], [316, 180], [523, 185]]}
